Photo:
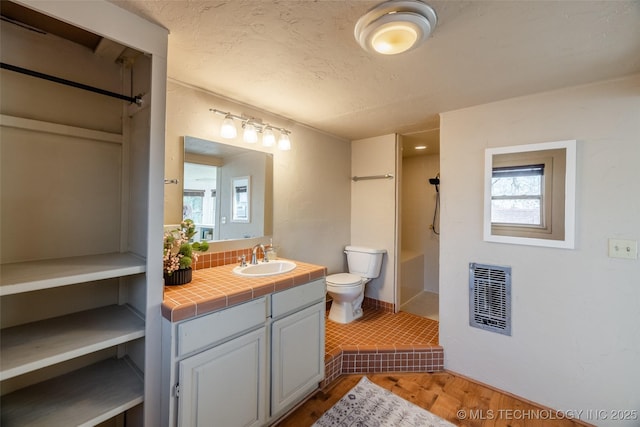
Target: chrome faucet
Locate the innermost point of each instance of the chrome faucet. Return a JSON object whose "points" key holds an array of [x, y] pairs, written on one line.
{"points": [[254, 254], [243, 261]]}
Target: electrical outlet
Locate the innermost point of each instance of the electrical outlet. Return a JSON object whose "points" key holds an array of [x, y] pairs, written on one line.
{"points": [[627, 249]]}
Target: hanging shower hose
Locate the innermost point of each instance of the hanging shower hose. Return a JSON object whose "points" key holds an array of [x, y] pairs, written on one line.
{"points": [[436, 183], [435, 213]]}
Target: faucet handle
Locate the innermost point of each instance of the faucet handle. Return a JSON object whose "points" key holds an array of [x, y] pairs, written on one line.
{"points": [[243, 261]]}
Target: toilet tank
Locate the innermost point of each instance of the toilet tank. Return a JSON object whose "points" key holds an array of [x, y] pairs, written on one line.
{"points": [[365, 262]]}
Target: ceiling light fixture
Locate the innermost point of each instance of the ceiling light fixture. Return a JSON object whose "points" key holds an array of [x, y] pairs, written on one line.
{"points": [[251, 128], [395, 26], [250, 133], [228, 129], [284, 143], [268, 138]]}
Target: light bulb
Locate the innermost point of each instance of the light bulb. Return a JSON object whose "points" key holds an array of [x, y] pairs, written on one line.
{"points": [[228, 129], [284, 143], [250, 134], [394, 38], [268, 138]]}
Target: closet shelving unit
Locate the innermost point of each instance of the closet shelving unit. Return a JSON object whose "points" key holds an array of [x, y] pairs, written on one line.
{"points": [[82, 394], [81, 215]]}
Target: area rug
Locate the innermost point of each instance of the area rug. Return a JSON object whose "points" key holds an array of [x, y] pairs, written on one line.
{"points": [[369, 405]]}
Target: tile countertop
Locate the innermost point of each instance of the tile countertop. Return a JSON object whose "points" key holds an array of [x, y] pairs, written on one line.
{"points": [[218, 287]]}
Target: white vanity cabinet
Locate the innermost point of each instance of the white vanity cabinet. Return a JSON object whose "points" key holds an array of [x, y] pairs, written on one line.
{"points": [[297, 344], [225, 383], [245, 365]]}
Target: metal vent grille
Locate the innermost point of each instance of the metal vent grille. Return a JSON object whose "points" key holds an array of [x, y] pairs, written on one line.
{"points": [[490, 298]]}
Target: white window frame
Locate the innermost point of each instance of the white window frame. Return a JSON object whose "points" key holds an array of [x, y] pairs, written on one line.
{"points": [[514, 234]]}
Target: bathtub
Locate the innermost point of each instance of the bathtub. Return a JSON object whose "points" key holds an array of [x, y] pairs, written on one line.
{"points": [[411, 275]]}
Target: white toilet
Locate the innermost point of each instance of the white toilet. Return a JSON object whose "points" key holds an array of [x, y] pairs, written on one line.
{"points": [[347, 289]]}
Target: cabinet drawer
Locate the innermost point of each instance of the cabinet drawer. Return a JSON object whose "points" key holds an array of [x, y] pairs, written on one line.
{"points": [[297, 298], [220, 325]]}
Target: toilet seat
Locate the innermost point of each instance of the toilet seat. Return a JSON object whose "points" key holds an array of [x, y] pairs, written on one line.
{"points": [[343, 279]]}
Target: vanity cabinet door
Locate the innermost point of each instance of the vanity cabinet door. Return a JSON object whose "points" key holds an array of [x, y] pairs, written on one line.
{"points": [[225, 385], [297, 356]]}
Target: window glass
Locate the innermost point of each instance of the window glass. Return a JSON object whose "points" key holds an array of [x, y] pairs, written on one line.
{"points": [[199, 197], [192, 205], [517, 195]]}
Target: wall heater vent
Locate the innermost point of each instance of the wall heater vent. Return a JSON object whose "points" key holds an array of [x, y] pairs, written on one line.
{"points": [[490, 298]]}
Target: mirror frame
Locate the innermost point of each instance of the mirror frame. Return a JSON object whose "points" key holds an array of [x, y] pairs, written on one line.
{"points": [[568, 242]]}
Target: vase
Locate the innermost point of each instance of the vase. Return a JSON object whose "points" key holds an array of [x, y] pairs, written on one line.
{"points": [[178, 277]]}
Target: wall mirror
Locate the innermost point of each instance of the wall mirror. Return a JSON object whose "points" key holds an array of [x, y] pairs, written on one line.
{"points": [[227, 190], [529, 196]]}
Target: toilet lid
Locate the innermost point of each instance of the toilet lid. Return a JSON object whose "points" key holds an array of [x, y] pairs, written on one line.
{"points": [[343, 279]]}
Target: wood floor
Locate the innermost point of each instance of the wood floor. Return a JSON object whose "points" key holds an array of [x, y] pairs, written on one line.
{"points": [[456, 399]]}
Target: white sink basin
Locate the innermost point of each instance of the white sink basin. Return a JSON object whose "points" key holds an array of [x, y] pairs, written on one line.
{"points": [[270, 268]]}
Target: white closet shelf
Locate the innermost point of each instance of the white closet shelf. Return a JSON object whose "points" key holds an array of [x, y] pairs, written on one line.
{"points": [[43, 274], [85, 397], [36, 345], [58, 129]]}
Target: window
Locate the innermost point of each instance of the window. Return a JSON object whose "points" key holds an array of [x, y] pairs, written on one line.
{"points": [[517, 195], [525, 187], [240, 199], [530, 194], [199, 198], [192, 201]]}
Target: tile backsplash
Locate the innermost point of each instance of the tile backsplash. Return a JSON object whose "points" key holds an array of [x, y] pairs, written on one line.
{"points": [[216, 259]]}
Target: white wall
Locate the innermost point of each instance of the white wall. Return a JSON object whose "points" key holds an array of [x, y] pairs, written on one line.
{"points": [[575, 341], [373, 208], [418, 204], [311, 188]]}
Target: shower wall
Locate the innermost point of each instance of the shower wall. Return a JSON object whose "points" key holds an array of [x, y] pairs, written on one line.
{"points": [[418, 204]]}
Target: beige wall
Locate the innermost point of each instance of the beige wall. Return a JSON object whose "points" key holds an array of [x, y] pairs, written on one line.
{"points": [[373, 208], [312, 194], [575, 341]]}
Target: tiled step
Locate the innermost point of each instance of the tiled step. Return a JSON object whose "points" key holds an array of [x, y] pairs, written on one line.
{"points": [[381, 341]]}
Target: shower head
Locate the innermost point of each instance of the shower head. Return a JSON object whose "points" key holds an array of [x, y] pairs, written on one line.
{"points": [[436, 181]]}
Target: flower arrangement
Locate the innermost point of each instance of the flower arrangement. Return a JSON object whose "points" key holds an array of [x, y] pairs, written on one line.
{"points": [[178, 253]]}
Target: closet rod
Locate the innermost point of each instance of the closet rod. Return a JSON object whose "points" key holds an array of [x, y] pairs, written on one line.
{"points": [[362, 178], [135, 99]]}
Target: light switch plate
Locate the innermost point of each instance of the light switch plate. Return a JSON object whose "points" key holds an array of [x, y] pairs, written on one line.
{"points": [[627, 249]]}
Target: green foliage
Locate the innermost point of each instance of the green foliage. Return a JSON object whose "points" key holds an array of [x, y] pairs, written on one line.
{"points": [[200, 246], [185, 262], [186, 250], [179, 254]]}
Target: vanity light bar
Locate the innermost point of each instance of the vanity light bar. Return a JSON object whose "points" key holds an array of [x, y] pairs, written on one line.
{"points": [[252, 126]]}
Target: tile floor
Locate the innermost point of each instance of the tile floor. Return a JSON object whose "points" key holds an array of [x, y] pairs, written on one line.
{"points": [[425, 304], [381, 341]]}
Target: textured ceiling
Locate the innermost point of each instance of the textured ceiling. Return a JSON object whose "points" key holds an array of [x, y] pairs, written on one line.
{"points": [[299, 59]]}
